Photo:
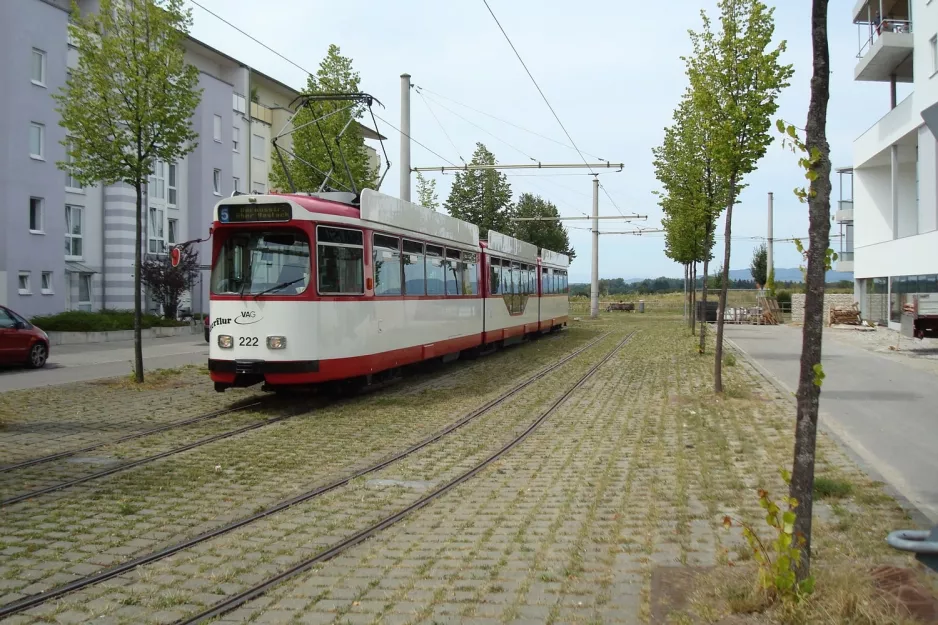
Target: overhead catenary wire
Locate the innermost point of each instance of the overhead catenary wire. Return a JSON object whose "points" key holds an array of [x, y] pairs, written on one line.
{"points": [[440, 124]]}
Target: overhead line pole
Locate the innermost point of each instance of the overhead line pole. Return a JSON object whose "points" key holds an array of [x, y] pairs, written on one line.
{"points": [[617, 166], [405, 137], [594, 287]]}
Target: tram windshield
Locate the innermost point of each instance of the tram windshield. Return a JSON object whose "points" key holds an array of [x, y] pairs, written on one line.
{"points": [[262, 262]]}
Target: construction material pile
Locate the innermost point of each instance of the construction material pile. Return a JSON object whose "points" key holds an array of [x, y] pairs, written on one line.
{"points": [[845, 316]]}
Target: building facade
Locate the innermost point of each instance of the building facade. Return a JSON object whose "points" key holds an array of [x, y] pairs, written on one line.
{"points": [[894, 207], [42, 207]]}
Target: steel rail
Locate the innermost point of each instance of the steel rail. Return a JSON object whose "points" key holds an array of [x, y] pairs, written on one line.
{"points": [[260, 589], [34, 600]]}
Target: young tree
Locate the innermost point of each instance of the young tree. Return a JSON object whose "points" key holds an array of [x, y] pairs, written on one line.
{"points": [[166, 283], [818, 165], [544, 234], [736, 79], [128, 103], [317, 144], [482, 196], [426, 192], [758, 266]]}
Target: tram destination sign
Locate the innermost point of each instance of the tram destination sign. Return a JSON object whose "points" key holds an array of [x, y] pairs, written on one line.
{"points": [[240, 213]]}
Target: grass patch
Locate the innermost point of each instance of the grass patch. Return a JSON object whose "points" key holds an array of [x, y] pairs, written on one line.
{"points": [[729, 360], [103, 321], [830, 488]]}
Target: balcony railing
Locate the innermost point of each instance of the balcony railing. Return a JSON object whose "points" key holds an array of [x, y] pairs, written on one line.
{"points": [[870, 33], [845, 256]]}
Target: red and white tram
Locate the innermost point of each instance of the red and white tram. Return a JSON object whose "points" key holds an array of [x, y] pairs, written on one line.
{"points": [[311, 288]]}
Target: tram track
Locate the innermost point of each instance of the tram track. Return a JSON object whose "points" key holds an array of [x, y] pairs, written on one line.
{"points": [[261, 588], [111, 572]]}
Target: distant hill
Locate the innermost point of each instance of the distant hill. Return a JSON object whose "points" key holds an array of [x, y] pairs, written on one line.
{"points": [[792, 274]]}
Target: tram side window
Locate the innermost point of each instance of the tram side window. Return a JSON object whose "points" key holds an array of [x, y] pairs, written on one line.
{"points": [[414, 281], [532, 280], [551, 288], [495, 276], [454, 271], [525, 277], [566, 286], [470, 267], [507, 270], [387, 261], [341, 259], [545, 284], [436, 275]]}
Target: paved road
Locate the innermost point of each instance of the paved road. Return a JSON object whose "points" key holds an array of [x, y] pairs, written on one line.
{"points": [[79, 363], [886, 411]]}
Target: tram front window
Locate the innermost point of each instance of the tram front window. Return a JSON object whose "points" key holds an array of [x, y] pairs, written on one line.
{"points": [[262, 263]]}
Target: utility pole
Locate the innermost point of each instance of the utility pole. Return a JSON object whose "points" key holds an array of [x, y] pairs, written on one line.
{"points": [[405, 137], [768, 254], [594, 289]]}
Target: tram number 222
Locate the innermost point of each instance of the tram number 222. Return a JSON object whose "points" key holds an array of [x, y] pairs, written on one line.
{"points": [[247, 341]]}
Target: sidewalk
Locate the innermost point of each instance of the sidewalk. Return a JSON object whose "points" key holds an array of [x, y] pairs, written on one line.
{"points": [[884, 410]]}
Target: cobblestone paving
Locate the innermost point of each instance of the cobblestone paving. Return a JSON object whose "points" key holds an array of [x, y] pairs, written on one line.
{"points": [[57, 538], [635, 471], [37, 422]]}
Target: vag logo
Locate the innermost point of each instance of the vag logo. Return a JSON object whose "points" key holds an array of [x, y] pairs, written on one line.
{"points": [[247, 317]]}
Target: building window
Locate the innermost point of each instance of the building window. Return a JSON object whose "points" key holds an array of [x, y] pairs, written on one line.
{"points": [[933, 48], [157, 243], [258, 147], [73, 231], [71, 184], [158, 181], [38, 68], [35, 215], [171, 185], [172, 231], [24, 283], [37, 138], [84, 291], [216, 181], [236, 182], [235, 138], [237, 102], [341, 260], [260, 187], [47, 283], [216, 128]]}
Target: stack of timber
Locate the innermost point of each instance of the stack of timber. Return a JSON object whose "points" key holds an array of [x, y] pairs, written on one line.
{"points": [[771, 313], [628, 306], [845, 316]]}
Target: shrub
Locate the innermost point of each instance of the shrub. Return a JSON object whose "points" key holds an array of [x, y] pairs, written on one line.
{"points": [[784, 297], [103, 321]]}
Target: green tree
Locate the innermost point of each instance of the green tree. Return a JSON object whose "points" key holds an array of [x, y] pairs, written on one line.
{"points": [[128, 103], [736, 78], [318, 145], [426, 192], [482, 196], [758, 265], [550, 235]]}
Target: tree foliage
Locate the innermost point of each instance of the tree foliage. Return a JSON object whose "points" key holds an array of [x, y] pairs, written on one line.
{"points": [[426, 192], [128, 103], [736, 77], [550, 235], [758, 266], [482, 196], [318, 146], [166, 283]]}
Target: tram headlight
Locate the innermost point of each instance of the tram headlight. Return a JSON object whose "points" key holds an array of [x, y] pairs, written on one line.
{"points": [[276, 342], [225, 341]]}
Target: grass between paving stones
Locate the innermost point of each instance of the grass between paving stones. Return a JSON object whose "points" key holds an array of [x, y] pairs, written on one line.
{"points": [[550, 536], [228, 479], [232, 562], [39, 422]]}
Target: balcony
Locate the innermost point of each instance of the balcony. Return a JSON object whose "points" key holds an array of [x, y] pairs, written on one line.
{"points": [[844, 212], [884, 37], [262, 113]]}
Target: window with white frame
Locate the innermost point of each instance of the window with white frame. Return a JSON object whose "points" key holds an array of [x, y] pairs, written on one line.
{"points": [[216, 181], [84, 291], [260, 187], [258, 148], [171, 185], [47, 283], [237, 184], [24, 288], [35, 215], [216, 128], [158, 181], [172, 231], [73, 231], [37, 137], [38, 68], [235, 138], [71, 184], [157, 240], [238, 102]]}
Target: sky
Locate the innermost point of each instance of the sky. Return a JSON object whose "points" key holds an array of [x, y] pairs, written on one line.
{"points": [[612, 73]]}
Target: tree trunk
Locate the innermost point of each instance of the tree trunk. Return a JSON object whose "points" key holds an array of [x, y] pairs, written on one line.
{"points": [[718, 355], [138, 345], [809, 393], [688, 313], [703, 301], [693, 300]]}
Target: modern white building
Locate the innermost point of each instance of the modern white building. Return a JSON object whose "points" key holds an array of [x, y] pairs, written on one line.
{"points": [[894, 208], [40, 206]]}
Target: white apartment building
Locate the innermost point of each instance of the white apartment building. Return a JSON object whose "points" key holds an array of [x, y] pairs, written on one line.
{"points": [[41, 207], [894, 207]]}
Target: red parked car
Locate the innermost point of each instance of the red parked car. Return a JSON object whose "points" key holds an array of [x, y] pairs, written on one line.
{"points": [[21, 341]]}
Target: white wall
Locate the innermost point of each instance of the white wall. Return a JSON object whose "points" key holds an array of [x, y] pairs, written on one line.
{"points": [[902, 257], [872, 202], [927, 181], [908, 210]]}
